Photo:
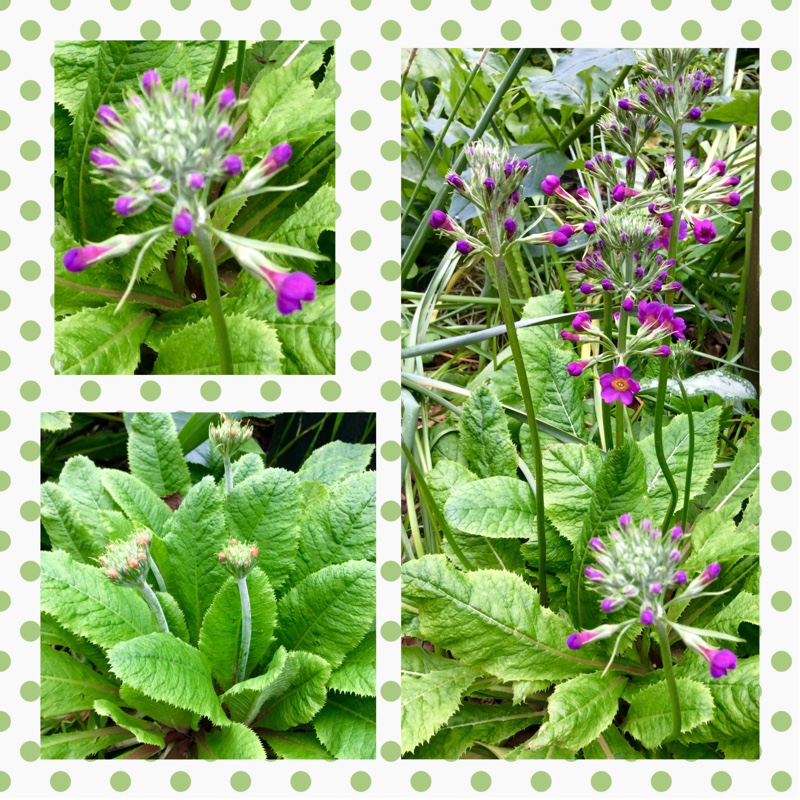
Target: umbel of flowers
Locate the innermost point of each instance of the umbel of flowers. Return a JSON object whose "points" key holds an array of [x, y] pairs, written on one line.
{"points": [[639, 568], [167, 149]]}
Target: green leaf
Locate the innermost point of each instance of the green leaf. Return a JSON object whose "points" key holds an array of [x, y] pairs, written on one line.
{"points": [[145, 731], [197, 534], [649, 718], [579, 710], [721, 541], [485, 440], [346, 726], [137, 500], [620, 490], [328, 612], [357, 672], [82, 481], [236, 741], [193, 351], [245, 699], [742, 110], [165, 713], [297, 745], [69, 686], [73, 63], [335, 462], [676, 450], [155, 455], [176, 622], [55, 421], [221, 633], [498, 507], [81, 744], [742, 477], [611, 744], [96, 341], [88, 604], [167, 669], [305, 226], [432, 688], [62, 521], [54, 634], [266, 508], [338, 526], [245, 467]]}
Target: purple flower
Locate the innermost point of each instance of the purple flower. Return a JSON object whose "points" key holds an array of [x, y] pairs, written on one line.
{"points": [[626, 104], [691, 162], [570, 337], [232, 165], [440, 220], [225, 132], [718, 168], [721, 662], [709, 574], [732, 180], [464, 247], [488, 184], [618, 192], [292, 289], [557, 238], [125, 206], [582, 321], [455, 180], [181, 88], [627, 304], [182, 223], [513, 198], [704, 230], [523, 166], [196, 100], [196, 181], [577, 640], [575, 368], [680, 577], [77, 259], [550, 184], [618, 385], [597, 545], [589, 227], [586, 288], [609, 604], [658, 316], [593, 574], [663, 351], [102, 160], [655, 588], [278, 157], [227, 98], [694, 114], [107, 116], [607, 285], [646, 617], [676, 533], [733, 199], [625, 520], [510, 228], [675, 556], [150, 80]]}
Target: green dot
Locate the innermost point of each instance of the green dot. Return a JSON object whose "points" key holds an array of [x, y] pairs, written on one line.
{"points": [[781, 421], [781, 541], [781, 781], [180, 781], [781, 481], [360, 241], [601, 5], [481, 5], [29, 691], [5, 481], [781, 5], [390, 270], [360, 5], [390, 751], [30, 90], [631, 30], [391, 210], [390, 451], [361, 120], [721, 5], [240, 5], [270, 391], [300, 5], [751, 30], [390, 691], [391, 330], [390, 90], [5, 300], [90, 30], [5, 721], [30, 331], [5, 361], [360, 781], [90, 391], [150, 29], [601, 781], [210, 30], [781, 361], [29, 631], [5, 781], [691, 30], [361, 361], [360, 180], [29, 511], [420, 781], [210, 390], [5, 121], [30, 570], [150, 391], [30, 150], [30, 390], [541, 5], [30, 210], [781, 240], [240, 781], [420, 5], [330, 391], [30, 751], [360, 60], [781, 180], [571, 30], [360, 300], [30, 30], [390, 391], [781, 661], [390, 150], [120, 781], [781, 120], [481, 781], [330, 30], [5, 541], [661, 781], [391, 30], [781, 60], [511, 30], [120, 5], [5, 60], [721, 781], [300, 781], [391, 631], [5, 180], [60, 781], [781, 721], [781, 601], [5, 421], [270, 30], [390, 510], [29, 450], [5, 601], [30, 270], [390, 570], [5, 661]]}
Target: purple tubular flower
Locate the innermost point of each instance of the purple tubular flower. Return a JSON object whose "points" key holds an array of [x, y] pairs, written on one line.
{"points": [[225, 132], [593, 574], [523, 166], [589, 227], [227, 98], [125, 206], [609, 604], [582, 321], [694, 114], [630, 164], [680, 577], [575, 368], [597, 545], [577, 640], [489, 185], [77, 259], [570, 337], [567, 230], [720, 661], [676, 533], [663, 351], [550, 184], [196, 100], [181, 88], [618, 192], [278, 157], [710, 573], [691, 162], [440, 220], [627, 304], [455, 181], [607, 285], [656, 287], [704, 230], [708, 83], [639, 272], [733, 180], [586, 288], [510, 228], [733, 199], [646, 617], [618, 385], [655, 588], [292, 290], [464, 247], [557, 238], [102, 160], [150, 80], [196, 181], [626, 104], [183, 223], [232, 165], [513, 199], [625, 520], [108, 116], [718, 168]]}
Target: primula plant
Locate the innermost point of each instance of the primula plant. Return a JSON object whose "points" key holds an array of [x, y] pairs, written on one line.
{"points": [[201, 603], [194, 207], [580, 434]]}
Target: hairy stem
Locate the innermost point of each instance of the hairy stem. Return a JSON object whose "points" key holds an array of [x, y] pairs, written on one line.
{"points": [[608, 330], [666, 658], [214, 300], [663, 375], [226, 462], [677, 137], [247, 624], [158, 612], [216, 69], [162, 587], [687, 489], [237, 79]]}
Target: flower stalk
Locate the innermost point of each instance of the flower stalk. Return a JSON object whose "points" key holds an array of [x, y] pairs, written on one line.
{"points": [[669, 676], [247, 624]]}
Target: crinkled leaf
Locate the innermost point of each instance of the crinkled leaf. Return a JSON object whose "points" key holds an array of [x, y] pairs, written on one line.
{"points": [[52, 633], [235, 741], [356, 674], [305, 226], [245, 699], [62, 520], [163, 712], [346, 726], [173, 614], [69, 686], [498, 507], [611, 744], [245, 467], [55, 421], [82, 480], [73, 63], [335, 462], [485, 440], [742, 477], [81, 744], [145, 731], [137, 500], [296, 745], [155, 455], [722, 541]]}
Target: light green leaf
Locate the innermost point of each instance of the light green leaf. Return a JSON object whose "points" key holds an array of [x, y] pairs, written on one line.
{"points": [[329, 612], [494, 507], [167, 669], [649, 718], [291, 745], [51, 633], [721, 541], [96, 341], [432, 688], [193, 351], [245, 467], [305, 226], [88, 604], [579, 711], [73, 63], [676, 451], [742, 110], [346, 726], [266, 508], [356, 674], [146, 732], [165, 713], [724, 384], [335, 462], [137, 500], [155, 455], [68, 686], [81, 744], [62, 521], [742, 477], [485, 440], [173, 614], [55, 421], [747, 747], [245, 699], [81, 480], [220, 635], [236, 741], [611, 744]]}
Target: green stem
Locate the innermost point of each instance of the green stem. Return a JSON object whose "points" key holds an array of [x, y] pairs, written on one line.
{"points": [[152, 601], [677, 137], [620, 420], [216, 69], [241, 48], [663, 376], [516, 351], [226, 463], [666, 658], [214, 300], [687, 488], [608, 330], [247, 623], [162, 587]]}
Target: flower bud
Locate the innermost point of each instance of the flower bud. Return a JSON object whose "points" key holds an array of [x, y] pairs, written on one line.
{"points": [[239, 558], [464, 247], [455, 181], [182, 223], [108, 116], [150, 80]]}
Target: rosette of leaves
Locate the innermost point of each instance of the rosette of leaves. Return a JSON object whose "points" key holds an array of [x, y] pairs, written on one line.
{"points": [[113, 686], [164, 326], [487, 672]]}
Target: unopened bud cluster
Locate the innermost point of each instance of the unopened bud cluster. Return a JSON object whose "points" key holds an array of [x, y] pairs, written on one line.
{"points": [[127, 562], [229, 435], [239, 558]]}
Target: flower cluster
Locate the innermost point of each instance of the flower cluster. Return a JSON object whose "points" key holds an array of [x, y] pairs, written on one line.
{"points": [[239, 558], [127, 563], [229, 436], [638, 566]]}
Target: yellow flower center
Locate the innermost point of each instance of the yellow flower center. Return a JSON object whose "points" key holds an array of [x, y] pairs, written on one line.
{"points": [[620, 384]]}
